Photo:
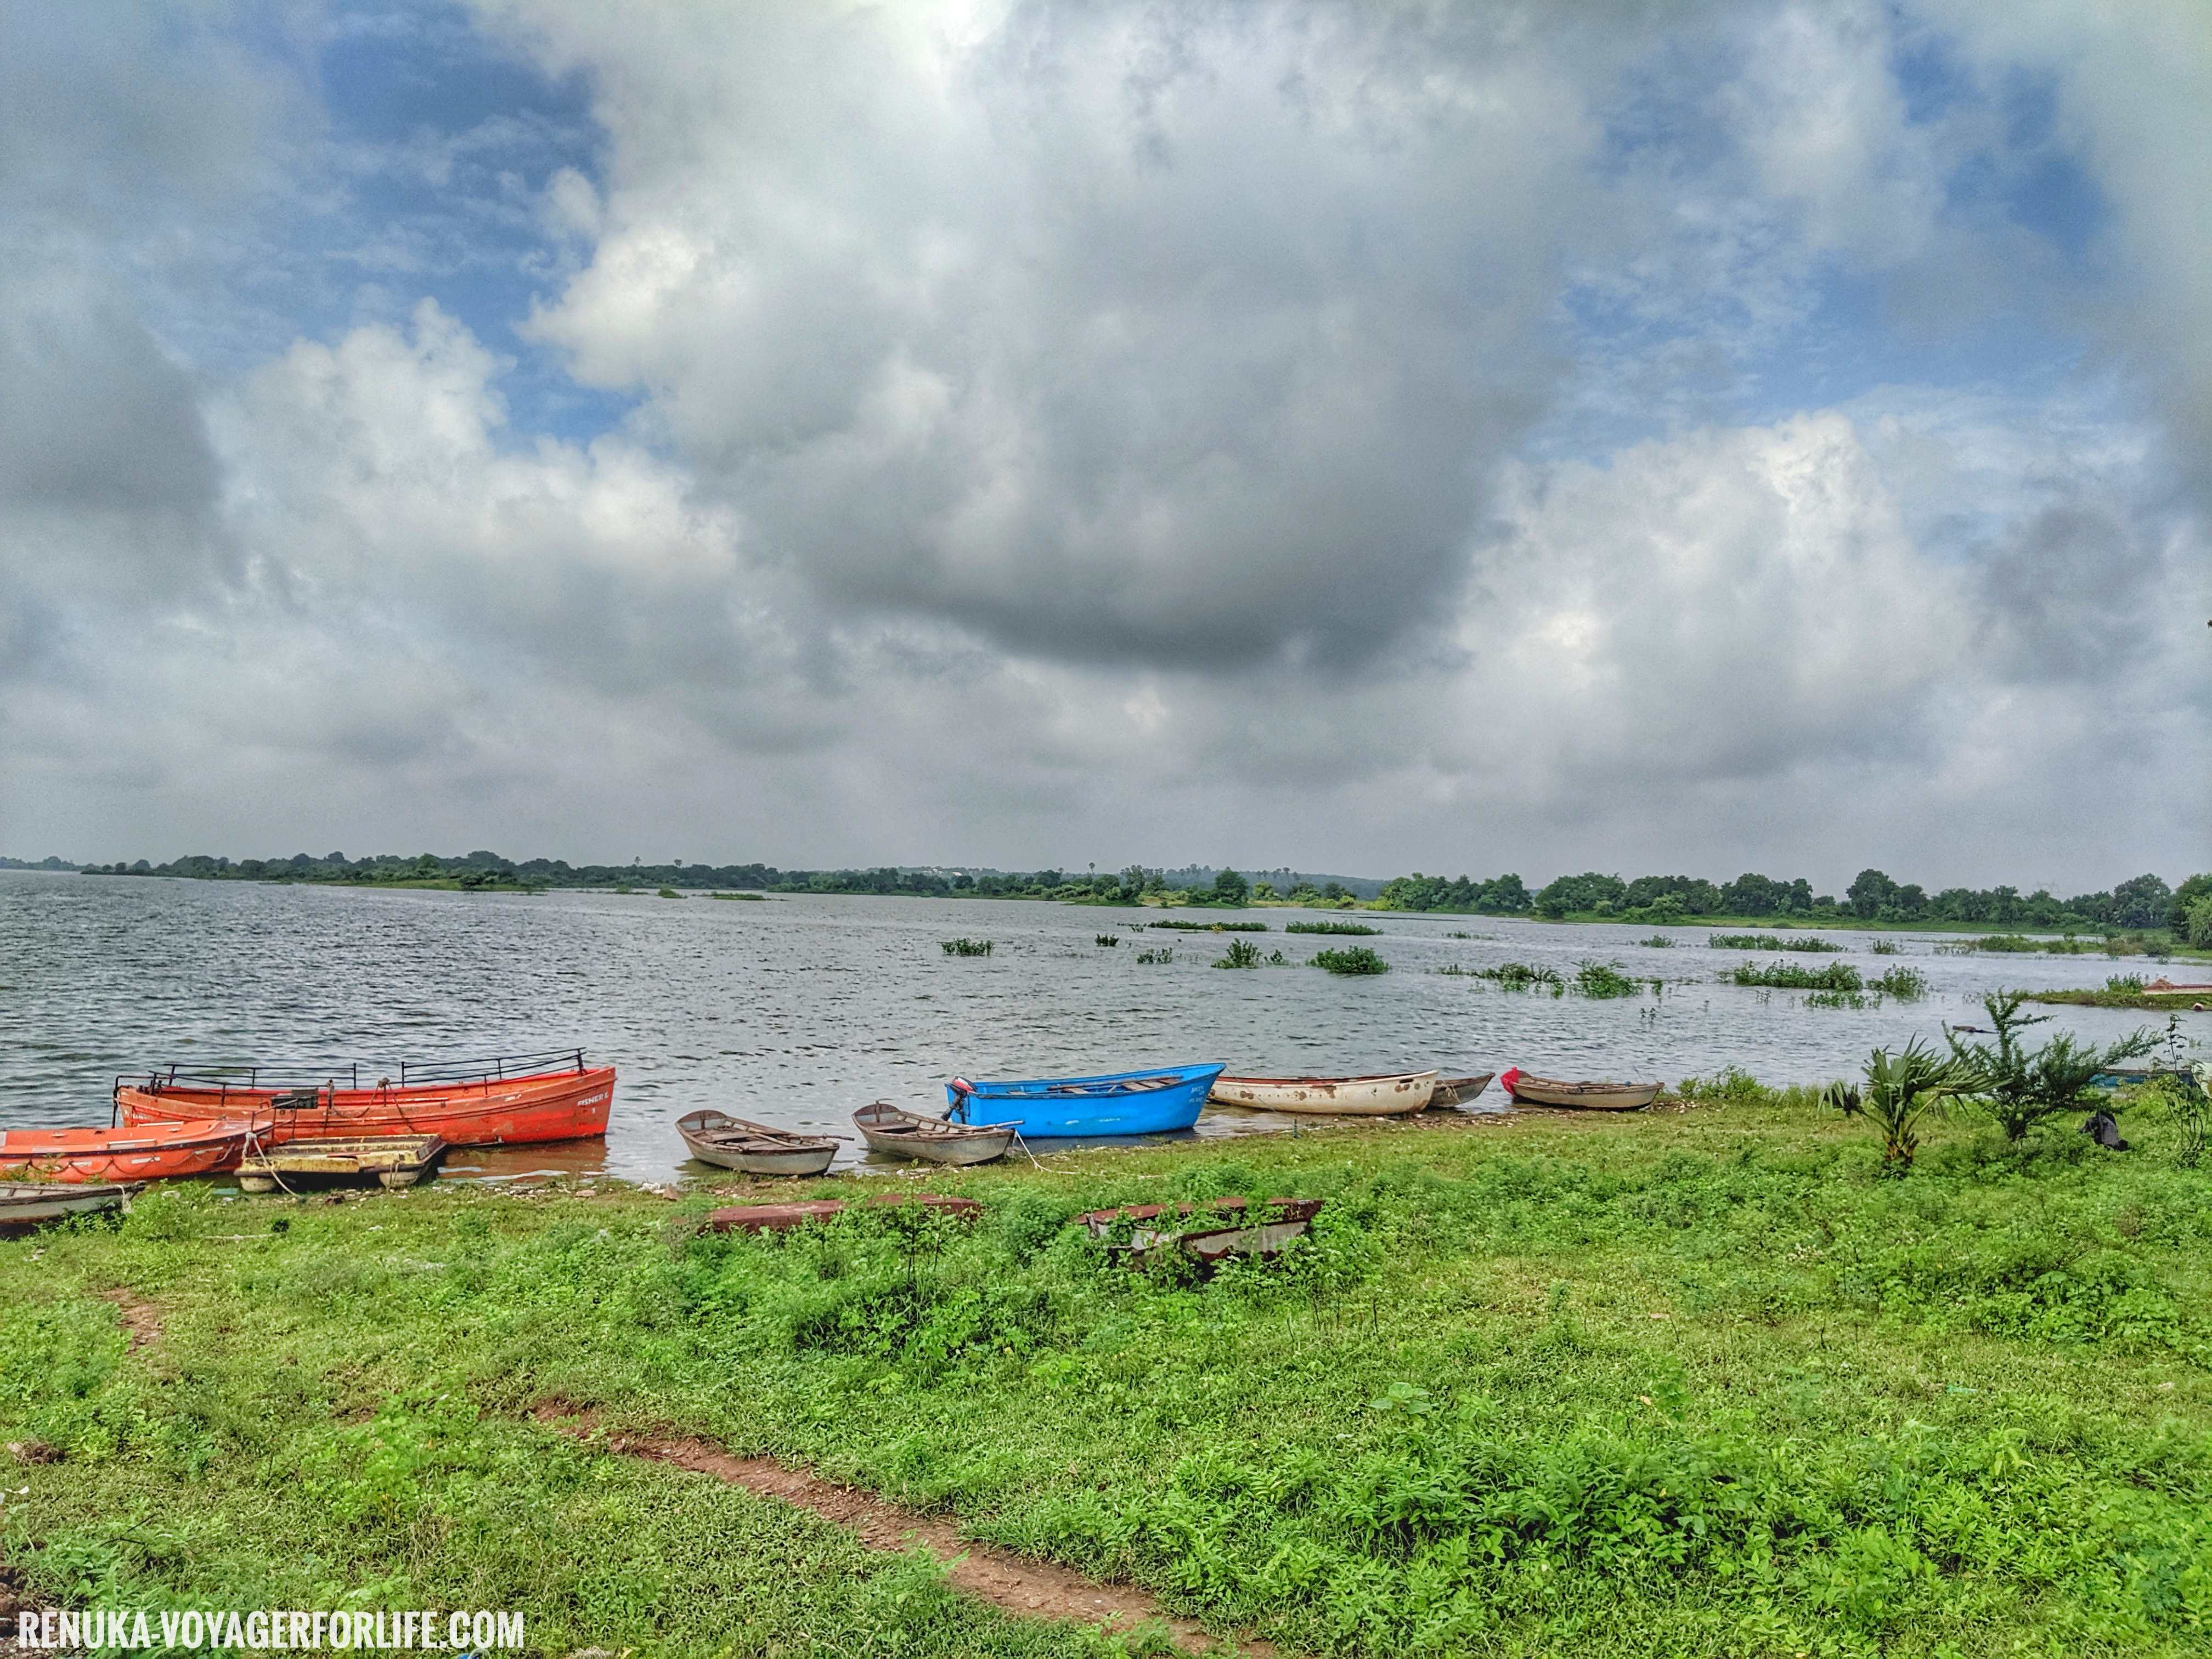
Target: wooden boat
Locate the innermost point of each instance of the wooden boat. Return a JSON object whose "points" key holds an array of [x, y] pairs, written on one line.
{"points": [[1587, 1097], [754, 1148], [776, 1217], [1357, 1096], [24, 1206], [888, 1129], [1121, 1103], [1458, 1090], [394, 1160], [1211, 1232], [154, 1152], [503, 1101]]}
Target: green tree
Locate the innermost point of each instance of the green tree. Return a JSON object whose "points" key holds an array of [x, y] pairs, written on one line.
{"points": [[2020, 1089], [2197, 924], [1901, 1089], [2191, 892], [1230, 888]]}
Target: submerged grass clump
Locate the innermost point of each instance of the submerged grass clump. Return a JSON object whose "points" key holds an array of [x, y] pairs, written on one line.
{"points": [[759, 898], [1599, 979], [1523, 976], [1789, 977], [1657, 942], [1351, 959], [1906, 984], [1353, 928], [1146, 958], [1109, 940], [965, 947], [1766, 942], [1212, 927]]}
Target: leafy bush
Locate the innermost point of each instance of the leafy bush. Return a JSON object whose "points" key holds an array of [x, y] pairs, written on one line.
{"points": [[1906, 984], [1109, 940], [2018, 1089], [1213, 926], [1598, 979], [1766, 942], [1521, 976], [1242, 953], [965, 947], [1353, 959], [1789, 977]]}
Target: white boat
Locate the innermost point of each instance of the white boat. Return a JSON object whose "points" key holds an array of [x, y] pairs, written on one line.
{"points": [[1458, 1090], [1584, 1097], [1352, 1097], [898, 1134], [43, 1202]]}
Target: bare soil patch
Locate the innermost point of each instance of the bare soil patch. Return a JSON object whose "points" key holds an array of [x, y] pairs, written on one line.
{"points": [[1036, 1589], [141, 1318]]}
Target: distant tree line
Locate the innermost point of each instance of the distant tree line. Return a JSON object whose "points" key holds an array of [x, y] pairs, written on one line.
{"points": [[2145, 902]]}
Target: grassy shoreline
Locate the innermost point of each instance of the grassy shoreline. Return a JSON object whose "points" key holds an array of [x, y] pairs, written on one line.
{"points": [[1697, 1381]]}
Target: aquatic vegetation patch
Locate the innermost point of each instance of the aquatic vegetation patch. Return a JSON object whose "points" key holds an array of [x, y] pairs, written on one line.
{"points": [[1523, 976], [669, 892], [1883, 947], [1789, 977], [1212, 927], [1345, 927], [1657, 942], [1242, 953], [965, 947], [1906, 984], [1109, 940], [757, 898], [1766, 942], [1599, 979], [1148, 957], [1351, 959]]}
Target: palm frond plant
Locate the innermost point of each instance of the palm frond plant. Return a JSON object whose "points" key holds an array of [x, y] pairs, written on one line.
{"points": [[1901, 1089]]}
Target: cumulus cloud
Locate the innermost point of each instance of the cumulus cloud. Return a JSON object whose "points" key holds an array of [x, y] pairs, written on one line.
{"points": [[1364, 437]]}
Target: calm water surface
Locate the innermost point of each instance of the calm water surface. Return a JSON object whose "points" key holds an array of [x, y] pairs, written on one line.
{"points": [[795, 1011]]}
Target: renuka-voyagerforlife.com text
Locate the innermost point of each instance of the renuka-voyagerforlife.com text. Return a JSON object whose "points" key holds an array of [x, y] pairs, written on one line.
{"points": [[268, 1629]]}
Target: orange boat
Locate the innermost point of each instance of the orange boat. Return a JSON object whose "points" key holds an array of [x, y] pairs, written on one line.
{"points": [[148, 1152], [489, 1103]]}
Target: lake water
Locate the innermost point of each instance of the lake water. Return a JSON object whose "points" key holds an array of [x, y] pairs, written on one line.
{"points": [[797, 1010]]}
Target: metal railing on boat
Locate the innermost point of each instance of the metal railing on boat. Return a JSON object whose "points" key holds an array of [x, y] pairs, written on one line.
{"points": [[301, 1078]]}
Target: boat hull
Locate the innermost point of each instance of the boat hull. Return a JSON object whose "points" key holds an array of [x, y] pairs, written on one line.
{"points": [[1123, 1104], [158, 1151], [571, 1105], [896, 1134], [1580, 1096], [26, 1206], [1458, 1090], [732, 1143], [1355, 1097]]}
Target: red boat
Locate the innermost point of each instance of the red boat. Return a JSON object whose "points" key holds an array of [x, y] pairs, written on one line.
{"points": [[490, 1102], [149, 1153]]}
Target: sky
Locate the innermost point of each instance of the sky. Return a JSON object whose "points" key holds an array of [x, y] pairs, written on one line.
{"points": [[1643, 437]]}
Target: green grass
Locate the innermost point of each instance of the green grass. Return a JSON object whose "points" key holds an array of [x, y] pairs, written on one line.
{"points": [[1214, 926], [965, 947], [1766, 942], [1837, 978], [1698, 1381], [1599, 979], [1353, 928], [2158, 1001]]}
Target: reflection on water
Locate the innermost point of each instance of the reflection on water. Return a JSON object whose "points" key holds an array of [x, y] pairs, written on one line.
{"points": [[795, 1012]]}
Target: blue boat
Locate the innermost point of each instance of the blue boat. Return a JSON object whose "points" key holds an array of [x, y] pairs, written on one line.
{"points": [[1127, 1103]]}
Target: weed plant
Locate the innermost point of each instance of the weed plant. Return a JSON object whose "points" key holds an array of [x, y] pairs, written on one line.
{"points": [[1147, 957], [1766, 942], [2019, 1088], [1789, 977], [757, 898], [1599, 979], [1657, 942], [1213, 926], [1906, 984], [1242, 953], [1351, 959], [670, 892], [1523, 976], [965, 947], [1695, 1382], [1883, 947], [1110, 941], [1351, 928]]}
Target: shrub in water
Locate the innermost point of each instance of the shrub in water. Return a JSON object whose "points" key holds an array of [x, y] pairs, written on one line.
{"points": [[1520, 976], [1789, 977], [1598, 979], [1106, 938], [1766, 942], [1214, 926], [1148, 956], [1906, 984], [1242, 953], [1332, 927], [965, 947], [1353, 959]]}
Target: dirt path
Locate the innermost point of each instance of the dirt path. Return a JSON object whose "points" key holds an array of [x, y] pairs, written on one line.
{"points": [[140, 1317], [1036, 1590]]}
